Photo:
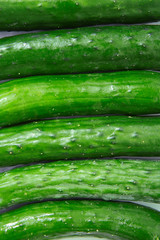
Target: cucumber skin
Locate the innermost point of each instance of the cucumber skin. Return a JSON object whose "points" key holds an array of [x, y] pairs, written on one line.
{"points": [[131, 180], [35, 98], [34, 15], [83, 50], [80, 138], [48, 219]]}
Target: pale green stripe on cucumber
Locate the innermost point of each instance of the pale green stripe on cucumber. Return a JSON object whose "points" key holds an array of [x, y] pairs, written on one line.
{"points": [[123, 179]]}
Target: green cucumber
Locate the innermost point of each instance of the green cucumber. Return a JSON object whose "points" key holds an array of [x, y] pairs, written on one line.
{"points": [[77, 138], [38, 14], [94, 49], [136, 180], [34, 98], [52, 219]]}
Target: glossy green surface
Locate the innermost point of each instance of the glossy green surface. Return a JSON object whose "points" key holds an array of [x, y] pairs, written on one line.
{"points": [[77, 138], [41, 14], [94, 49], [102, 179], [44, 220], [129, 92]]}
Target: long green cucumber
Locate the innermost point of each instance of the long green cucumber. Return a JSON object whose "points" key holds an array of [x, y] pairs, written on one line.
{"points": [[129, 92], [101, 179], [41, 221], [38, 14], [93, 49], [76, 138]]}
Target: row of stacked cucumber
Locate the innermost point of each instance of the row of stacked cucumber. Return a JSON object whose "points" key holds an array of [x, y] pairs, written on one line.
{"points": [[83, 189]]}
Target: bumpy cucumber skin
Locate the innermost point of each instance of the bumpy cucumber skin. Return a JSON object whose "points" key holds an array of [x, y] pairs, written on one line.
{"points": [[102, 179], [83, 50], [44, 220], [31, 15], [34, 98], [80, 138]]}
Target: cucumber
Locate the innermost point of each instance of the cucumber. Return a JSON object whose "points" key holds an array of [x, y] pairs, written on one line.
{"points": [[102, 179], [94, 49], [77, 138], [48, 219], [36, 14], [129, 92]]}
